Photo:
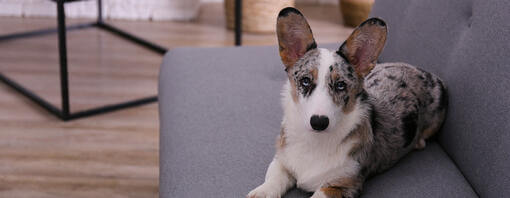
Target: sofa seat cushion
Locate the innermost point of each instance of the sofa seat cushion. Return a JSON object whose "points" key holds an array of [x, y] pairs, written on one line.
{"points": [[220, 113], [426, 173]]}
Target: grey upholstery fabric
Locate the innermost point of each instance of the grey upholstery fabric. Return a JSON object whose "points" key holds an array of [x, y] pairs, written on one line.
{"points": [[468, 44], [427, 173], [220, 114]]}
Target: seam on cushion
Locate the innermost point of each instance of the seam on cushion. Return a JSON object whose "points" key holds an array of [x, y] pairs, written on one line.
{"points": [[460, 171]]}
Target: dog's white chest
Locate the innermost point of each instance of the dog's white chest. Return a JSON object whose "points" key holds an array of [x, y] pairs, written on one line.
{"points": [[314, 164]]}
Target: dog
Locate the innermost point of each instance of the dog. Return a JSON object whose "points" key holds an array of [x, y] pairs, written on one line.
{"points": [[345, 116]]}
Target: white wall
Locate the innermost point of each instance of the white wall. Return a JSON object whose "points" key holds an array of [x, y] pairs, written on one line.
{"points": [[116, 9], [299, 1], [335, 2]]}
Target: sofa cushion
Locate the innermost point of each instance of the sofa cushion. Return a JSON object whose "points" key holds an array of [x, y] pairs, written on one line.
{"points": [[467, 43], [220, 113], [427, 173]]}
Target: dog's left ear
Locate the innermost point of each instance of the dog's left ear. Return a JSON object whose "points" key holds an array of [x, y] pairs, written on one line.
{"points": [[295, 37], [364, 45]]}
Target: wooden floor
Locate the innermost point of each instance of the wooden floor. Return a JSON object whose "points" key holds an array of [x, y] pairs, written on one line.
{"points": [[110, 155]]}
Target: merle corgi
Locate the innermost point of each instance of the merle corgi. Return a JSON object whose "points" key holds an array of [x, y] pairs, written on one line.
{"points": [[346, 117]]}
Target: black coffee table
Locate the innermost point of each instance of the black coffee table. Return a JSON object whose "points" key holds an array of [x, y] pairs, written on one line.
{"points": [[64, 112]]}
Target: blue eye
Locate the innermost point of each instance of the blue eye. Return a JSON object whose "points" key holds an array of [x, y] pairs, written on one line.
{"points": [[305, 81], [340, 86]]}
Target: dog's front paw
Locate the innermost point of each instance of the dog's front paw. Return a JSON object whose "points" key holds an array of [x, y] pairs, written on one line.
{"points": [[264, 191]]}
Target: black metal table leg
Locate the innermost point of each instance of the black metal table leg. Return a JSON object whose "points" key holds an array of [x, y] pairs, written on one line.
{"points": [[30, 95], [238, 22], [132, 38], [99, 11], [62, 48]]}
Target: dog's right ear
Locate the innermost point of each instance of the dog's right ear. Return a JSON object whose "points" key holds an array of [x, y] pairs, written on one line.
{"points": [[295, 37]]}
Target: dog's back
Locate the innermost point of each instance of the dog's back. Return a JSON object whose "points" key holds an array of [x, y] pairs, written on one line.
{"points": [[409, 105]]}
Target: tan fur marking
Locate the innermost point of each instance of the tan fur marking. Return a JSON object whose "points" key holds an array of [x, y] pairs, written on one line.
{"points": [[331, 192], [362, 135], [336, 189], [425, 134], [281, 140], [348, 182], [293, 90], [430, 131], [349, 107], [334, 75], [315, 73]]}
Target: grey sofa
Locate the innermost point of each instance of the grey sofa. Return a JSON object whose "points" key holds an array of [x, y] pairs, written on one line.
{"points": [[220, 107]]}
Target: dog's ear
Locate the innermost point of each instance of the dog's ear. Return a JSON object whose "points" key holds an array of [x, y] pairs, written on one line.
{"points": [[294, 36], [364, 45]]}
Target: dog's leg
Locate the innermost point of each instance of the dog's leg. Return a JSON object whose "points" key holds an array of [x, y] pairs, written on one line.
{"points": [[343, 188], [430, 130], [278, 181]]}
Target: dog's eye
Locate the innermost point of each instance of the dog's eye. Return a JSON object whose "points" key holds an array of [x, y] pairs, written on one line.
{"points": [[305, 81], [340, 86]]}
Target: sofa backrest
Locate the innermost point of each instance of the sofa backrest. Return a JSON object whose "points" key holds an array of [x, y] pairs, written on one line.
{"points": [[467, 43]]}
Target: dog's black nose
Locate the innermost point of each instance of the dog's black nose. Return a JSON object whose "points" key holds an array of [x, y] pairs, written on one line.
{"points": [[319, 123]]}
